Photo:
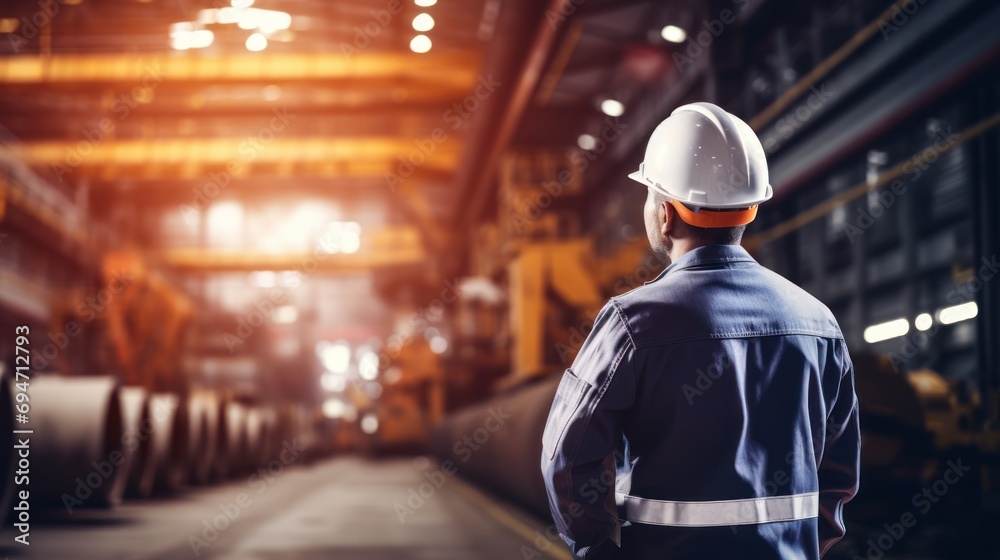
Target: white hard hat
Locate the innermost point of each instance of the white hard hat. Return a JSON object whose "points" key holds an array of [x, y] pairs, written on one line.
{"points": [[704, 158]]}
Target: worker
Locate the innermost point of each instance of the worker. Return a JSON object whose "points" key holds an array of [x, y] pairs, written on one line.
{"points": [[711, 413]]}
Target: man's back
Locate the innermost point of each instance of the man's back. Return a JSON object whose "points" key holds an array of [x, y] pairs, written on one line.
{"points": [[740, 385]]}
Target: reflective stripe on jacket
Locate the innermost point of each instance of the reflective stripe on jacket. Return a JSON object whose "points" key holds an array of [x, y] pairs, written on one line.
{"points": [[710, 413]]}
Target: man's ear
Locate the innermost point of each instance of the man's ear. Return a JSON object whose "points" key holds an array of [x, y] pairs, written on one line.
{"points": [[668, 217]]}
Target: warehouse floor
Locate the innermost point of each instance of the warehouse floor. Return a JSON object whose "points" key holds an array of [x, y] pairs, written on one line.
{"points": [[342, 508], [348, 507]]}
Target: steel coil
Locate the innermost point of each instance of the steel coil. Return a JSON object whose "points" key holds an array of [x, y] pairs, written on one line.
{"points": [[76, 444]]}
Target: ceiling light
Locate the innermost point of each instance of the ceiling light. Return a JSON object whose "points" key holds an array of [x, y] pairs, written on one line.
{"points": [[420, 44], [673, 34], [957, 313], [923, 321], [341, 237], [586, 142], [425, 3], [206, 17], [369, 423], [201, 38], [263, 279], [335, 357], [285, 315], [181, 28], [256, 42], [267, 21], [423, 22], [227, 15], [336, 408], [885, 331], [368, 365], [438, 344], [184, 36], [271, 92], [612, 108], [334, 382]]}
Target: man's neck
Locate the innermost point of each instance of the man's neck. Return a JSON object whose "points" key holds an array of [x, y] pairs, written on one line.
{"points": [[684, 246]]}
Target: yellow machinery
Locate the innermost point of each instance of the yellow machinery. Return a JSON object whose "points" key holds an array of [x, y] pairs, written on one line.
{"points": [[410, 399], [556, 282]]}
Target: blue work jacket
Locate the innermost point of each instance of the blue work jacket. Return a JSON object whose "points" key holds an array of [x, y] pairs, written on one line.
{"points": [[710, 414]]}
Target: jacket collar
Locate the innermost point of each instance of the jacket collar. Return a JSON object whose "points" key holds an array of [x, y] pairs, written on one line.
{"points": [[707, 254]]}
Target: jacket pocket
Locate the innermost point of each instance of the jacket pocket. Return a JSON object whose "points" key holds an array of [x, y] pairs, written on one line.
{"points": [[569, 395]]}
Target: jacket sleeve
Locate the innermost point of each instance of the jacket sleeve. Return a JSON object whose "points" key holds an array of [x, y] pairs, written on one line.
{"points": [[841, 462], [582, 433]]}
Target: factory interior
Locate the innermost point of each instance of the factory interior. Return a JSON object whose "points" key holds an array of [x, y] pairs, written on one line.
{"points": [[298, 279]]}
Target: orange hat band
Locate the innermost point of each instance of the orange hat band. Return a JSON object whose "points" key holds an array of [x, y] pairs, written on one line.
{"points": [[706, 218]]}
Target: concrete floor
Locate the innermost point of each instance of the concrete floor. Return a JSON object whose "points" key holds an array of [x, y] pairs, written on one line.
{"points": [[342, 508]]}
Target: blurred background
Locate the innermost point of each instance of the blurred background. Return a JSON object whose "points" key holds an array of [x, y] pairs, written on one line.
{"points": [[297, 279]]}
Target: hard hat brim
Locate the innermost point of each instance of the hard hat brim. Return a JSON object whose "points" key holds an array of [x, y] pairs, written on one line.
{"points": [[638, 177]]}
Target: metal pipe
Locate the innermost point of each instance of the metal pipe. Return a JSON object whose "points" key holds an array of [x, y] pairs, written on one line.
{"points": [[508, 458]]}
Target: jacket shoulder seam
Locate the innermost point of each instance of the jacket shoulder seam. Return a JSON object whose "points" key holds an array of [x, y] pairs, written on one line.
{"points": [[624, 320]]}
